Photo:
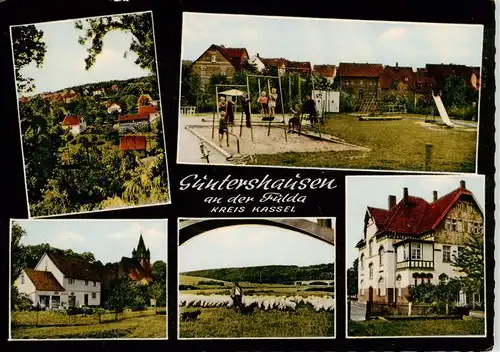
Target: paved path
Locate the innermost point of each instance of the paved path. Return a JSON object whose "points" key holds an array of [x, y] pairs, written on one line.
{"points": [[358, 311], [189, 145]]}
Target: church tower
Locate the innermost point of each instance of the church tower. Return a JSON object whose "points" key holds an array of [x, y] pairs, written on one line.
{"points": [[142, 254]]}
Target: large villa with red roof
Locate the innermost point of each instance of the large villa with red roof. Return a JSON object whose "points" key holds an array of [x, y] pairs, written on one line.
{"points": [[413, 242]]}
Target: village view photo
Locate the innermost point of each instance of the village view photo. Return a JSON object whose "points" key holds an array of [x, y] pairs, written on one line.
{"points": [[256, 278], [416, 256], [345, 94], [89, 114], [88, 279]]}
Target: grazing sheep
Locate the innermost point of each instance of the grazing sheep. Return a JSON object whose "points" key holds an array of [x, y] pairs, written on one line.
{"points": [[190, 316]]}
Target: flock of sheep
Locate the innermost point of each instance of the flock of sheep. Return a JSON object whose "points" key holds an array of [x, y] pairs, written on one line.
{"points": [[325, 303]]}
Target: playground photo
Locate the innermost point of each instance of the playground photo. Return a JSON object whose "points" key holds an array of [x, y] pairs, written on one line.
{"points": [[227, 291], [415, 256], [249, 101]]}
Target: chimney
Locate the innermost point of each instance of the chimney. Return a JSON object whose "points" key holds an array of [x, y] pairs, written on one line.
{"points": [[434, 196], [462, 184], [397, 65], [405, 194], [392, 201]]}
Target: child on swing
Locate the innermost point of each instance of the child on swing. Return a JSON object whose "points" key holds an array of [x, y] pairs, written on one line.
{"points": [[222, 127]]}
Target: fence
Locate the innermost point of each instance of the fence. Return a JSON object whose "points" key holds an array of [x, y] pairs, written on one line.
{"points": [[58, 318], [381, 309], [188, 110]]}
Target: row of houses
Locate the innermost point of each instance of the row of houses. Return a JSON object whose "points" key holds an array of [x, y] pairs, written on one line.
{"points": [[365, 80], [58, 282], [147, 114], [67, 96]]}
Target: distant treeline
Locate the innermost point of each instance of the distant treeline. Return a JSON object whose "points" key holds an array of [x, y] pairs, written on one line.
{"points": [[271, 274]]}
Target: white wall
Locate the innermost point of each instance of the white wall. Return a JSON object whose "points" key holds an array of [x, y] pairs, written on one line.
{"points": [[27, 287], [256, 61], [441, 267], [45, 264]]}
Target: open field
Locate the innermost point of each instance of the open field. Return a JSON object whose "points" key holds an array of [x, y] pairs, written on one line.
{"points": [[395, 145], [224, 322], [141, 327], [54, 318], [248, 288], [429, 327]]}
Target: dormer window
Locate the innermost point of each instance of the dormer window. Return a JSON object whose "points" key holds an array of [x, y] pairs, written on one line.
{"points": [[214, 58]]}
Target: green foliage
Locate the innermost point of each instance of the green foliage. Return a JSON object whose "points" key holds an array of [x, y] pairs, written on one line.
{"points": [[139, 25], [446, 292], [19, 301], [269, 274], [160, 271], [459, 99], [28, 47], [122, 296], [348, 102], [17, 250], [352, 278], [471, 262]]}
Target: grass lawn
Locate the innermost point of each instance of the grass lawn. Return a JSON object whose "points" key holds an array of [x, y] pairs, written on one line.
{"points": [[224, 322], [395, 145], [417, 327], [143, 327]]}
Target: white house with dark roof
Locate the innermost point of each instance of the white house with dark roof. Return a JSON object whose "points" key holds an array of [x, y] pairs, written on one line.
{"points": [[57, 282]]}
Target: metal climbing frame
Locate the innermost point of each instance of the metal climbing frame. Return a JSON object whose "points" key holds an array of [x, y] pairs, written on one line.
{"points": [[269, 90], [216, 111]]}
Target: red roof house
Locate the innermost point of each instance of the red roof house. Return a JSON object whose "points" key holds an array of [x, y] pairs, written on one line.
{"points": [[72, 120], [359, 70], [397, 74], [43, 280], [133, 143], [414, 241], [133, 118]]}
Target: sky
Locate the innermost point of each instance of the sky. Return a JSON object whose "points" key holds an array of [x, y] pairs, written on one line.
{"points": [[252, 245], [374, 191], [109, 240], [64, 64], [332, 41]]}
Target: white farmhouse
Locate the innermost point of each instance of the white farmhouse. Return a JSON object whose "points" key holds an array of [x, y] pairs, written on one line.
{"points": [[413, 242], [57, 282], [114, 107], [74, 123]]}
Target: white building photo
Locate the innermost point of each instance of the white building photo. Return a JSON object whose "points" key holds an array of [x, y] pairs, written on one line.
{"points": [[414, 241], [57, 282]]}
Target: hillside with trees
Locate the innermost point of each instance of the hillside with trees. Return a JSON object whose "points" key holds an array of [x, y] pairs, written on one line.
{"points": [[269, 274], [68, 171]]}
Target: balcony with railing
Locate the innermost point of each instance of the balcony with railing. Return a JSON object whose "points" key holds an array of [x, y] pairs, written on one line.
{"points": [[414, 263]]}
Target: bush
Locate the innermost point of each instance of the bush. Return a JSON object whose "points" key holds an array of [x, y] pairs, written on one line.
{"points": [[74, 310], [466, 113], [211, 282], [187, 287]]}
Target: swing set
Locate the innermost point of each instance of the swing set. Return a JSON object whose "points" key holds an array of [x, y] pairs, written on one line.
{"points": [[231, 93], [268, 78], [300, 79]]}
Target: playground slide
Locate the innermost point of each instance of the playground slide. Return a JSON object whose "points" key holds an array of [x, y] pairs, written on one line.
{"points": [[442, 110]]}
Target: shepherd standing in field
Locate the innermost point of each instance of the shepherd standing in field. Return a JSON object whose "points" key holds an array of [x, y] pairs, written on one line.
{"points": [[237, 295]]}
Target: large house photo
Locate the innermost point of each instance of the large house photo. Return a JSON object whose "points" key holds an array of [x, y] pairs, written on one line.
{"points": [[414, 241], [59, 283]]}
